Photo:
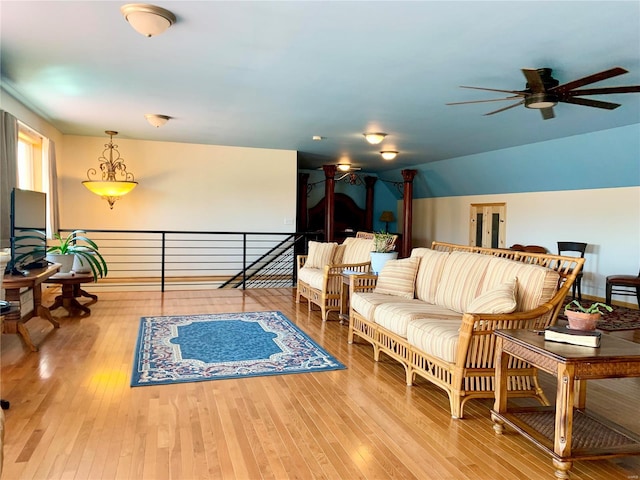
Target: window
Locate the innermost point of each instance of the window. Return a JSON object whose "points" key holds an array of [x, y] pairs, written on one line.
{"points": [[30, 160], [33, 166]]}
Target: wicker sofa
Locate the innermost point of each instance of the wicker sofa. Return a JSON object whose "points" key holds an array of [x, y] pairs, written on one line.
{"points": [[320, 272], [435, 313]]}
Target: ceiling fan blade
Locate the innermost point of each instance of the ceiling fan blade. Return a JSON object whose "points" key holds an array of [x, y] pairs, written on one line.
{"points": [[604, 90], [484, 101], [596, 77], [587, 102], [533, 79], [505, 108], [520, 93], [547, 113]]}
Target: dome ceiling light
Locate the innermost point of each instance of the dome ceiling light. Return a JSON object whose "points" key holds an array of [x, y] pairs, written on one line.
{"points": [[389, 154], [374, 138], [148, 20], [157, 120]]}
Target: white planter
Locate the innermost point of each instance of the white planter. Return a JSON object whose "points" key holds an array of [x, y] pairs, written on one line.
{"points": [[65, 260], [379, 259], [81, 265]]}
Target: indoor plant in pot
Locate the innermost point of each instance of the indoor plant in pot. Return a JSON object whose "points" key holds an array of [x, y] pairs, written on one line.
{"points": [[68, 250], [584, 318], [383, 245]]}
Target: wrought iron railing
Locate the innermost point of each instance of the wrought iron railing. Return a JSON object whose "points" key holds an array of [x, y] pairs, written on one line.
{"points": [[173, 260]]}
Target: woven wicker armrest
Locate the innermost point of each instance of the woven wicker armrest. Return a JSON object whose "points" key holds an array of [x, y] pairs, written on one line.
{"points": [[362, 283], [302, 259], [339, 268]]}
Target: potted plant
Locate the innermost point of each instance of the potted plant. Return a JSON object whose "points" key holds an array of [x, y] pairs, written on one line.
{"points": [[87, 253], [383, 245], [584, 318]]}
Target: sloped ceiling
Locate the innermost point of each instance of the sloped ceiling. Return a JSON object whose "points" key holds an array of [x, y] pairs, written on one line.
{"points": [[273, 74]]}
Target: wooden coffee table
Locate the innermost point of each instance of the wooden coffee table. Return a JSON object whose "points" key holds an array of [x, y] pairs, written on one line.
{"points": [[71, 290], [569, 432]]}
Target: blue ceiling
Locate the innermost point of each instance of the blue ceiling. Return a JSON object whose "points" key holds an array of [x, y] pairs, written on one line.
{"points": [[274, 74]]}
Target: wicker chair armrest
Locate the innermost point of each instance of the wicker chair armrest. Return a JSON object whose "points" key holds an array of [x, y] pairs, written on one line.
{"points": [[339, 268], [301, 260], [362, 283]]}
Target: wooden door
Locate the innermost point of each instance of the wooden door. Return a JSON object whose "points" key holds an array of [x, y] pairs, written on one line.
{"points": [[487, 225]]}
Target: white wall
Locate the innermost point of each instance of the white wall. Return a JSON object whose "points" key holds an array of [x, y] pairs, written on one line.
{"points": [[182, 187], [607, 219]]}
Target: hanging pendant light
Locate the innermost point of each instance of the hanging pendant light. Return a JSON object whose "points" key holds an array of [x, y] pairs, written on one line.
{"points": [[108, 187]]}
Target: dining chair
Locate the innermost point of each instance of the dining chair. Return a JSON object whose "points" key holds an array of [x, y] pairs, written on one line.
{"points": [[623, 285], [579, 248]]}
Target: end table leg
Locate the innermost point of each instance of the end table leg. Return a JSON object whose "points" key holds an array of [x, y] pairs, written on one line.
{"points": [[498, 425], [562, 469]]}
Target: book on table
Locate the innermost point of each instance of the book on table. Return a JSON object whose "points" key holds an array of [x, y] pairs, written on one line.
{"points": [[583, 338]]}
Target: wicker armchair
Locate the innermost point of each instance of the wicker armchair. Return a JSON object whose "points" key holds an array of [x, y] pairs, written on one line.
{"points": [[323, 287]]}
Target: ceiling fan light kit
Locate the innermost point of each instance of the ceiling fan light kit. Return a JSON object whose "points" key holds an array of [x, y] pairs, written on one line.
{"points": [[543, 92], [540, 100]]}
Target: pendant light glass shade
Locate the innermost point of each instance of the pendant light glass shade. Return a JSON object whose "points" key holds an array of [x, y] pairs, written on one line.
{"points": [[112, 167]]}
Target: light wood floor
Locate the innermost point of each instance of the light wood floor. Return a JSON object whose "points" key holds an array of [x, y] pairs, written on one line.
{"points": [[73, 414]]}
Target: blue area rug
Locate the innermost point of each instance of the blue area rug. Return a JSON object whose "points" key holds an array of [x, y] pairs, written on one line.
{"points": [[194, 348]]}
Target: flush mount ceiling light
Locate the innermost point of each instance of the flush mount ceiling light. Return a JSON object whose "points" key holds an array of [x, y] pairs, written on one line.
{"points": [[108, 187], [389, 154], [147, 20], [374, 138], [157, 120]]}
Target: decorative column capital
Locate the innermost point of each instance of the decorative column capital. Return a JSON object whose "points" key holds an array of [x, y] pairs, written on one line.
{"points": [[330, 170], [408, 175]]}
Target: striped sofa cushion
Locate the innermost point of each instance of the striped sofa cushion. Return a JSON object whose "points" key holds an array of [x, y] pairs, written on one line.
{"points": [[429, 272], [365, 303], [320, 254], [314, 277], [435, 337], [397, 316], [461, 280], [536, 284], [398, 277], [357, 250]]}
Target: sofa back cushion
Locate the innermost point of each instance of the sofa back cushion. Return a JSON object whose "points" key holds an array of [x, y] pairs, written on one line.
{"points": [[398, 277], [461, 280], [535, 284], [357, 250], [320, 254], [429, 272]]}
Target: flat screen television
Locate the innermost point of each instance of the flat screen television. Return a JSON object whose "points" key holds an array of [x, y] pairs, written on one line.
{"points": [[28, 231]]}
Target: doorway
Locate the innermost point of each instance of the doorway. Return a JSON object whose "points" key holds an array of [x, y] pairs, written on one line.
{"points": [[488, 225]]}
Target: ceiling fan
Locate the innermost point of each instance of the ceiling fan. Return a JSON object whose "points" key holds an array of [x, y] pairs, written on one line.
{"points": [[543, 92]]}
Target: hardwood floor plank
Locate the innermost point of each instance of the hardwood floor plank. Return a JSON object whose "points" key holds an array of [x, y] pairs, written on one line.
{"points": [[75, 416]]}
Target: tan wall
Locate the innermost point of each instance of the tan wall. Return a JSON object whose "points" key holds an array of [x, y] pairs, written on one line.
{"points": [[182, 187]]}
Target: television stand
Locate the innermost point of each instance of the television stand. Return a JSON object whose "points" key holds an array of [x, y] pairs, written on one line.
{"points": [[14, 321]]}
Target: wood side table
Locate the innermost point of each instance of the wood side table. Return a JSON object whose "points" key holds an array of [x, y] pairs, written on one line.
{"points": [[71, 290], [569, 432], [344, 294], [14, 322]]}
